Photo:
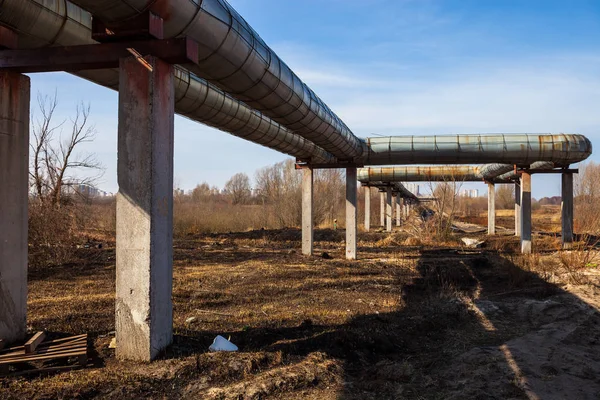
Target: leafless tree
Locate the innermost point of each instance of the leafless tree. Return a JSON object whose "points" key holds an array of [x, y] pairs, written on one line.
{"points": [[445, 204], [55, 160], [238, 187], [587, 193], [505, 196]]}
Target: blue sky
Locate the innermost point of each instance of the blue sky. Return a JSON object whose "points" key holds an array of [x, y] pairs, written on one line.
{"points": [[398, 67]]}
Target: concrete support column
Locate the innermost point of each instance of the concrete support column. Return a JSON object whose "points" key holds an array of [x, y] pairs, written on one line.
{"points": [[351, 200], [14, 177], [567, 210], [518, 208], [525, 213], [491, 209], [388, 209], [367, 209], [382, 208], [307, 212], [398, 210], [144, 311]]}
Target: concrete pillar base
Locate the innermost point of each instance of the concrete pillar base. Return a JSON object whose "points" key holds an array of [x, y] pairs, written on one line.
{"points": [[526, 246], [567, 210], [517, 208], [491, 209], [351, 215], [398, 210], [382, 209], [144, 311], [367, 209], [14, 178], [307, 212], [388, 209]]}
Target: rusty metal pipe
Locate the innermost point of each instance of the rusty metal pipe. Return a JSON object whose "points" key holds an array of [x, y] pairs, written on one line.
{"points": [[61, 23], [446, 173], [235, 58]]}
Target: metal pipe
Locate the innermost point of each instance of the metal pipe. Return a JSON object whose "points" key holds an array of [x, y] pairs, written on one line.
{"points": [[235, 58], [512, 175], [520, 149], [47, 23], [397, 188], [459, 173], [419, 174]]}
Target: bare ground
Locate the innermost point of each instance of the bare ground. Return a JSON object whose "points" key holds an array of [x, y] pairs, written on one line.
{"points": [[414, 322]]}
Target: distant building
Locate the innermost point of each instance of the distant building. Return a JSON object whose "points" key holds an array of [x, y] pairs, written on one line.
{"points": [[470, 193], [413, 188], [85, 190]]}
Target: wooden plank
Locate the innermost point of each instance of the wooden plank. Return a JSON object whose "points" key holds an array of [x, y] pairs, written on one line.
{"points": [[46, 347], [32, 343], [42, 357], [20, 348], [52, 353]]}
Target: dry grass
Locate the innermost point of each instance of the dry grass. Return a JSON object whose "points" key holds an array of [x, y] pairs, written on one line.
{"points": [[391, 325]]}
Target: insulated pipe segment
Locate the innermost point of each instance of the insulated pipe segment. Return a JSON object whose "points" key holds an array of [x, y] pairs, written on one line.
{"points": [[447, 173], [46, 23], [521, 149], [235, 58]]}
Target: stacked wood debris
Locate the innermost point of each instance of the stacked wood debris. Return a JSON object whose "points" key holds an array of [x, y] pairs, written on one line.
{"points": [[38, 351]]}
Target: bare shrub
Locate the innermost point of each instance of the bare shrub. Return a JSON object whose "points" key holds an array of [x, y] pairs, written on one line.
{"points": [[587, 193], [576, 262], [55, 215], [505, 197]]}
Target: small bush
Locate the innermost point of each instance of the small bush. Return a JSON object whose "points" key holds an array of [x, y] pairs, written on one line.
{"points": [[52, 234]]}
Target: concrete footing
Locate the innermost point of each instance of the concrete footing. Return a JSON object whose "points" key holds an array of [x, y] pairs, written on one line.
{"points": [[144, 276], [567, 210], [398, 210], [388, 209], [367, 209], [351, 215], [382, 208], [491, 209], [525, 213], [517, 208], [14, 177], [307, 212]]}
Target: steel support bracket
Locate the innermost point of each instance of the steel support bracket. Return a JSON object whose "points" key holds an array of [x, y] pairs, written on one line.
{"points": [[549, 171], [145, 26], [97, 56], [300, 164]]}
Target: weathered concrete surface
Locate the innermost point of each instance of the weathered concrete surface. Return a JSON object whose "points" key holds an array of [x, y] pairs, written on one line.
{"points": [[144, 311], [525, 213], [307, 212], [367, 208], [491, 209], [567, 210], [388, 209], [517, 208], [398, 210], [382, 208], [14, 176], [351, 215]]}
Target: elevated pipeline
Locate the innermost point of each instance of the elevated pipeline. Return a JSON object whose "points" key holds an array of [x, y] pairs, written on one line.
{"points": [[520, 149], [446, 173], [51, 23], [397, 188], [236, 59]]}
